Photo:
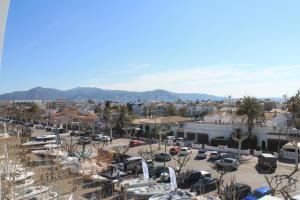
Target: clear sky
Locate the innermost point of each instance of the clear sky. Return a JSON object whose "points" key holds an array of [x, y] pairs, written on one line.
{"points": [[208, 46]]}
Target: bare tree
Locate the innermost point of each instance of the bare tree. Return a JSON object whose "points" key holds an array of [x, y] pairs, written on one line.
{"points": [[99, 146], [84, 153], [181, 161], [69, 147], [239, 135], [120, 150], [147, 154], [281, 184]]}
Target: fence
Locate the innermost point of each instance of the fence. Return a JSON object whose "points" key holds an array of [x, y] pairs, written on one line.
{"points": [[289, 155], [225, 149]]}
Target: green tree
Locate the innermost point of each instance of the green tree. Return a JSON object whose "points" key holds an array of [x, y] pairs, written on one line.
{"points": [[107, 114], [33, 112], [171, 110], [293, 104], [252, 109], [183, 111], [90, 101], [294, 107]]}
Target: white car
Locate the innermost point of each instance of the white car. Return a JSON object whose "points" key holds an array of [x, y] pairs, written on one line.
{"points": [[214, 155], [201, 154], [105, 138], [185, 151], [171, 138]]}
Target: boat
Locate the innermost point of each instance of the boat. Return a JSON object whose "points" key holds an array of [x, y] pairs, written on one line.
{"points": [[19, 176], [49, 153], [137, 182], [148, 191], [4, 134], [34, 192], [50, 146], [173, 195], [45, 137], [33, 144], [41, 142]]}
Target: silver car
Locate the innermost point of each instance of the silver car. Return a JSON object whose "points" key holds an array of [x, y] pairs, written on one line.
{"points": [[227, 163]]}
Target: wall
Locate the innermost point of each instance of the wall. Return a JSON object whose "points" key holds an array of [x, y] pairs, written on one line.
{"points": [[217, 130]]}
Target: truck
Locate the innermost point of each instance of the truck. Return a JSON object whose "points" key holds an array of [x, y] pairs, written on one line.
{"points": [[267, 162]]}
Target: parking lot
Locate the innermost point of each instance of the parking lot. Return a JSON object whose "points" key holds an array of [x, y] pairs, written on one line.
{"points": [[246, 172]]}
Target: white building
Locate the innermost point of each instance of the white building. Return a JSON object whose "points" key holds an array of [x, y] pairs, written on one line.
{"points": [[203, 133]]}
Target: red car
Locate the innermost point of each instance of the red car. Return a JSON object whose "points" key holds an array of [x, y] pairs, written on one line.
{"points": [[135, 143], [175, 150]]}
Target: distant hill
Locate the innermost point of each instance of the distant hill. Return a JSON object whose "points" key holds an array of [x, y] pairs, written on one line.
{"points": [[85, 93]]}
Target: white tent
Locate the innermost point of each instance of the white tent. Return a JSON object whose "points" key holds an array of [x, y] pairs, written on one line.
{"points": [[290, 146]]}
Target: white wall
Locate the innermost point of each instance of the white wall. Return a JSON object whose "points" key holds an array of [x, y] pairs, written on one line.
{"points": [[216, 130]]}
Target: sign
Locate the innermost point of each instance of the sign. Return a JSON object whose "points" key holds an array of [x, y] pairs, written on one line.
{"points": [[145, 170], [173, 178]]}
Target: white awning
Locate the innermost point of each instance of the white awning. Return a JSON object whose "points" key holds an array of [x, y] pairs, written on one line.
{"points": [[290, 146]]}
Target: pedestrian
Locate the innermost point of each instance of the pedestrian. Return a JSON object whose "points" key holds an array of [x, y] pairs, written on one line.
{"points": [[110, 139]]}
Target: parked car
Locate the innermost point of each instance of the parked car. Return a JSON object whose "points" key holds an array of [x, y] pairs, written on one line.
{"points": [[48, 128], [193, 177], [230, 155], [61, 130], [135, 143], [214, 155], [171, 138], [241, 191], [84, 140], [259, 193], [97, 137], [105, 138], [267, 162], [201, 154], [204, 185], [175, 150], [157, 171], [75, 133], [227, 163], [184, 151], [162, 157]]}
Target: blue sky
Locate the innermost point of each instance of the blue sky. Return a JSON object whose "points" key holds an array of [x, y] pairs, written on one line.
{"points": [[215, 47]]}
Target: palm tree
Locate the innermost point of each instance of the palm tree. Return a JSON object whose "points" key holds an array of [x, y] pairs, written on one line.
{"points": [[252, 109], [123, 115], [107, 113], [294, 104]]}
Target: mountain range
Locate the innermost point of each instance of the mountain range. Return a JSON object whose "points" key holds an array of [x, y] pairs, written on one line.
{"points": [[85, 93]]}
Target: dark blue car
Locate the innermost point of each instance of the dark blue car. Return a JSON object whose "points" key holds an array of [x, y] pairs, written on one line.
{"points": [[259, 193]]}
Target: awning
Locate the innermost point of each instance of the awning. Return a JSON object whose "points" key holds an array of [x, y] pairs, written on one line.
{"points": [[290, 146]]}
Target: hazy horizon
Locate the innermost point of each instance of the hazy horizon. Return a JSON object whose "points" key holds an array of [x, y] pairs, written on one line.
{"points": [[236, 97]]}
